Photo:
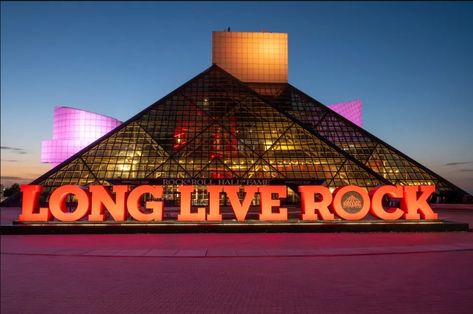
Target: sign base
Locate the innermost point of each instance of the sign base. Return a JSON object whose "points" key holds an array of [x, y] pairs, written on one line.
{"points": [[249, 226]]}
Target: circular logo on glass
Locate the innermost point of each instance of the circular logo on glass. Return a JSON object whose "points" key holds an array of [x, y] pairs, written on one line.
{"points": [[352, 202]]}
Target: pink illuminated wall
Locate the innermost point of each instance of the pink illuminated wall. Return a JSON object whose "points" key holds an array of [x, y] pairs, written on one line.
{"points": [[350, 110], [73, 130]]}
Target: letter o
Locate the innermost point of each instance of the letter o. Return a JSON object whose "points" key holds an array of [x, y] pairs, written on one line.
{"points": [[57, 203], [339, 208]]}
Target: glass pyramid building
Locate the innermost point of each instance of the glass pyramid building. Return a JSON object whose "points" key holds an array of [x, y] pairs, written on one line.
{"points": [[218, 127]]}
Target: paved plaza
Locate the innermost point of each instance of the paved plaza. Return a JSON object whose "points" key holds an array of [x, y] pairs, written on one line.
{"points": [[429, 272]]}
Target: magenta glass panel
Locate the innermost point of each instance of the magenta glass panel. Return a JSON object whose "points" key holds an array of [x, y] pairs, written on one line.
{"points": [[351, 110], [74, 129]]}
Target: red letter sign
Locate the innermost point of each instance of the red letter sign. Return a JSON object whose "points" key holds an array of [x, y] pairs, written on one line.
{"points": [[351, 202], [240, 209], [377, 209], [186, 203], [309, 205], [30, 203], [214, 203], [416, 207], [134, 200], [267, 203], [101, 199], [57, 202]]}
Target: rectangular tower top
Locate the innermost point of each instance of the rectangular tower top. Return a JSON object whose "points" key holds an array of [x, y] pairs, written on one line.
{"points": [[252, 56]]}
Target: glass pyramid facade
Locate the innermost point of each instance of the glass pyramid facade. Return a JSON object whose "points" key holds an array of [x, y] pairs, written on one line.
{"points": [[216, 127]]}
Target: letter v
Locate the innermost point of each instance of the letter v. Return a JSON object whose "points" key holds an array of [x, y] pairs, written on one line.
{"points": [[240, 209]]}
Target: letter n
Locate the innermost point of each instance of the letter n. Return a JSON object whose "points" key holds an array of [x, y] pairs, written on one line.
{"points": [[102, 198]]}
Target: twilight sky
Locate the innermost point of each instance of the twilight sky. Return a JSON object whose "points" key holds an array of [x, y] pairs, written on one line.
{"points": [[410, 63]]}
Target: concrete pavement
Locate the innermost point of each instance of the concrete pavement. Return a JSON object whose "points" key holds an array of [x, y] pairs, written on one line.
{"points": [[239, 273]]}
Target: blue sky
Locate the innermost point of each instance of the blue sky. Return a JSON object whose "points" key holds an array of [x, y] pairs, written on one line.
{"points": [[410, 63]]}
